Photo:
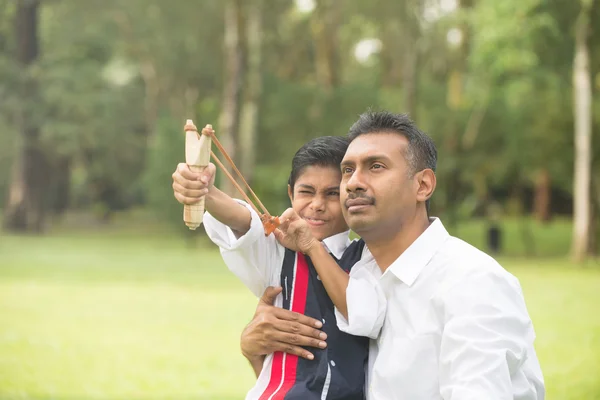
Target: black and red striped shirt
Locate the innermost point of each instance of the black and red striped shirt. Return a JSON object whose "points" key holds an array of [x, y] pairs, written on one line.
{"points": [[338, 371]]}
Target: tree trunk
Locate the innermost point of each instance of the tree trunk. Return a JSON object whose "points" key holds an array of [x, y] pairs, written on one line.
{"points": [[541, 202], [24, 211], [61, 185], [582, 101], [325, 21], [229, 118], [250, 107], [410, 60]]}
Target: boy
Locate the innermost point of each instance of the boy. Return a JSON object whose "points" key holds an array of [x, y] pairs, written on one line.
{"points": [[337, 372]]}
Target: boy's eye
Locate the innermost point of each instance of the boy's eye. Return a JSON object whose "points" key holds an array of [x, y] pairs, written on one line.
{"points": [[305, 192], [333, 193]]}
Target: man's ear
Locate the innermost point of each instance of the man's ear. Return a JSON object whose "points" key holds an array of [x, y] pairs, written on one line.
{"points": [[290, 193], [427, 182]]}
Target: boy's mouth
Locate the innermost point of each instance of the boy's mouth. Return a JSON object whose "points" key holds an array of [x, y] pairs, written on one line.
{"points": [[315, 221]]}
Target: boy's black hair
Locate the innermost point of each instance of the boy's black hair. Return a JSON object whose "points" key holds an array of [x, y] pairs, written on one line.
{"points": [[324, 151]]}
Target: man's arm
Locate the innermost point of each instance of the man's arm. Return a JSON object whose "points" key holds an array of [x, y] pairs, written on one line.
{"points": [[275, 329], [487, 339]]}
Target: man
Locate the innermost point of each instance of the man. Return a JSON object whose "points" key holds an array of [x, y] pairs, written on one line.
{"points": [[259, 261], [450, 322]]}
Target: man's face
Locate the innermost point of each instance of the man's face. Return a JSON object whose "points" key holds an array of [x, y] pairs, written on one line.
{"points": [[316, 199], [377, 193]]}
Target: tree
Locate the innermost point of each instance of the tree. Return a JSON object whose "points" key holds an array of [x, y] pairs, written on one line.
{"points": [[582, 109], [234, 75], [24, 210], [251, 104]]}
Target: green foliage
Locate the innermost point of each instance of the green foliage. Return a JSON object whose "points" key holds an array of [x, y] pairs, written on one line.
{"points": [[114, 94]]}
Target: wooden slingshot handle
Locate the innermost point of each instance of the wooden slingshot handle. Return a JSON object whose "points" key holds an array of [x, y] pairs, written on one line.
{"points": [[197, 157]]}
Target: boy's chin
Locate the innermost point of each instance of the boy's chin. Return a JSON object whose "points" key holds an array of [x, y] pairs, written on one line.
{"points": [[323, 232]]}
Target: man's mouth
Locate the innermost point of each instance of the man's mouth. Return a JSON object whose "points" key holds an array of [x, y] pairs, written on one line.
{"points": [[358, 203], [315, 221]]}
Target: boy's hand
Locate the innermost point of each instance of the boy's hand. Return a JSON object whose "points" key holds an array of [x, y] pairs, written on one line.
{"points": [[294, 232], [276, 329], [189, 187]]}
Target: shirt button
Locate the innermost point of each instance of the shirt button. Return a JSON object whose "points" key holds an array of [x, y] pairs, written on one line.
{"points": [[318, 278], [323, 321], [332, 363]]}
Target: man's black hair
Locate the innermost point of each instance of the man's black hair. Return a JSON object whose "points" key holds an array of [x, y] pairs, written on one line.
{"points": [[421, 152], [324, 151]]}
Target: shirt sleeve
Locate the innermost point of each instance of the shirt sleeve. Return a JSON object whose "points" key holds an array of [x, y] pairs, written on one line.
{"points": [[487, 338], [366, 305], [254, 258]]}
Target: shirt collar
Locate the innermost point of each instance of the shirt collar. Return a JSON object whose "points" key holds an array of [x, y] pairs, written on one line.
{"points": [[411, 262], [337, 243]]}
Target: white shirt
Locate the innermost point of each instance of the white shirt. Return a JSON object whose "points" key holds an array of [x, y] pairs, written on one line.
{"points": [[447, 322], [257, 261]]}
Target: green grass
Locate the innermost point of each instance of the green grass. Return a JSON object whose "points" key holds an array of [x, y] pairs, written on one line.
{"points": [[144, 316]]}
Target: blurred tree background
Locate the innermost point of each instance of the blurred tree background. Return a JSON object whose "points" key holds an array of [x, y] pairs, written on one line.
{"points": [[94, 96], [105, 294]]}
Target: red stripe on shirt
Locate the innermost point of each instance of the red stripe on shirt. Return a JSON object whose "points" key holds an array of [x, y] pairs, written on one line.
{"points": [[275, 376], [277, 385], [298, 305]]}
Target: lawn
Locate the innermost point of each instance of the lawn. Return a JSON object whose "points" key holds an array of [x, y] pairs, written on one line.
{"points": [[144, 316]]}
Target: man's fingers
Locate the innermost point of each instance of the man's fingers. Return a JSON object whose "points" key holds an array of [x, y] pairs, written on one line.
{"points": [[295, 350], [270, 295], [299, 329], [293, 339], [297, 317]]}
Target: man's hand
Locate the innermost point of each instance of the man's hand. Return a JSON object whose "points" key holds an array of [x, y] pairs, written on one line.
{"points": [[189, 187], [294, 232], [275, 329]]}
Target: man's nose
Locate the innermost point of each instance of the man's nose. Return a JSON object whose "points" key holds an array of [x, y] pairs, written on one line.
{"points": [[355, 182]]}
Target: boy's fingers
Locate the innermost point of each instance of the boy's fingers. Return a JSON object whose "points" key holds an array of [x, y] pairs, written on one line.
{"points": [[186, 172], [286, 216], [187, 183], [191, 193], [186, 200]]}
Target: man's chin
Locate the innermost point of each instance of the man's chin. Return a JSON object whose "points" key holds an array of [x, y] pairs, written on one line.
{"points": [[359, 223]]}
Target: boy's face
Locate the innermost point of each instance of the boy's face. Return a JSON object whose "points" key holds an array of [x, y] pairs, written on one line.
{"points": [[316, 199]]}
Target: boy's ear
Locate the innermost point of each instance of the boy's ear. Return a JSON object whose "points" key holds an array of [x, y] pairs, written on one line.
{"points": [[290, 193]]}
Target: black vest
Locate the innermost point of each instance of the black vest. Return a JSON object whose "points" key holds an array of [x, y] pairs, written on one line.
{"points": [[339, 369]]}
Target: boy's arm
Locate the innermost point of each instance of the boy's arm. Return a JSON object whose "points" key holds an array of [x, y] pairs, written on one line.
{"points": [[366, 302], [294, 233], [189, 187], [233, 226]]}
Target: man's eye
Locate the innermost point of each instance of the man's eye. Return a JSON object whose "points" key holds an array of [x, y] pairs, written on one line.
{"points": [[377, 166], [346, 170]]}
